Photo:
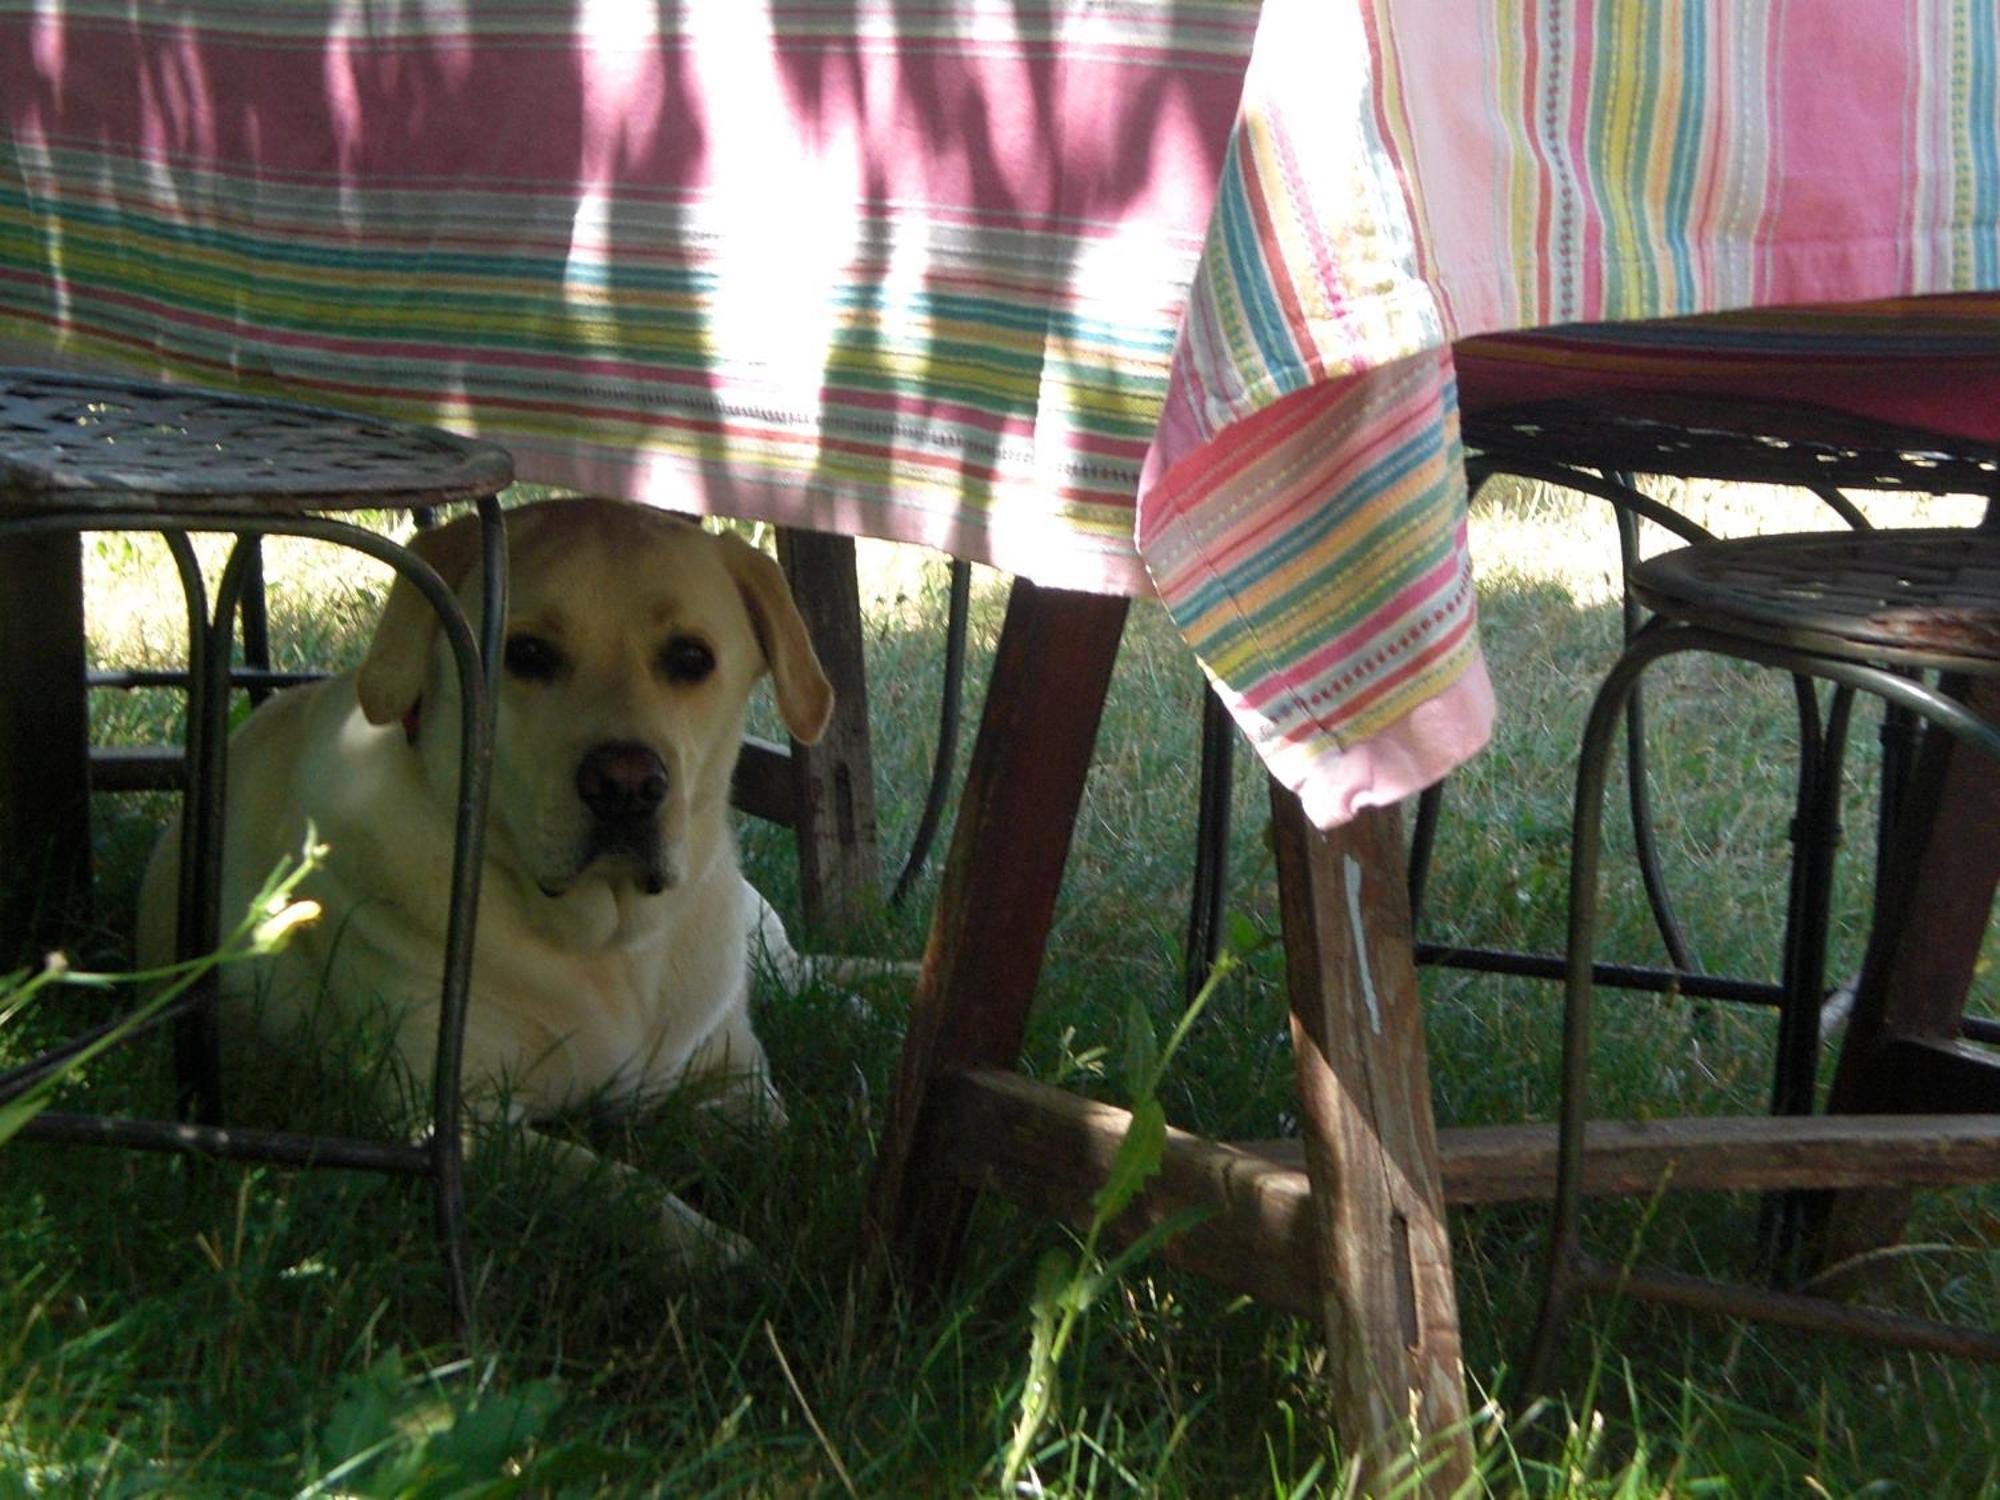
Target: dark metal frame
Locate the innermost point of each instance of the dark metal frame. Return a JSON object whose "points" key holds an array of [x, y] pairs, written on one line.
{"points": [[441, 1155], [1684, 974], [1692, 436], [86, 453], [1569, 1269]]}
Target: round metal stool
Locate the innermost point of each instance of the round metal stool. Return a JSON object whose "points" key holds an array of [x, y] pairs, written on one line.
{"points": [[1860, 610], [85, 453]]}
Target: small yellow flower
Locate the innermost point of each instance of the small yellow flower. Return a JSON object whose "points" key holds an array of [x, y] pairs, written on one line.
{"points": [[274, 929]]}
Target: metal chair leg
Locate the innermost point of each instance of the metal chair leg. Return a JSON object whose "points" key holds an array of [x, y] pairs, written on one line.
{"points": [[1816, 844], [478, 667], [1211, 845], [1565, 1254], [197, 1063], [1638, 773], [1816, 839], [950, 713], [256, 621]]}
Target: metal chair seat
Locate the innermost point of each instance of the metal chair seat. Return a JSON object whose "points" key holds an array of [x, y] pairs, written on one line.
{"points": [[1870, 612], [90, 453], [1922, 598]]}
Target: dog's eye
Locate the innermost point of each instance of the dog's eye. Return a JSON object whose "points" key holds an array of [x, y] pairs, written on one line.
{"points": [[685, 659], [532, 659]]}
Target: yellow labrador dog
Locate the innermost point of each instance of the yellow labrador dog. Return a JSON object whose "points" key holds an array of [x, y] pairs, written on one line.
{"points": [[614, 927]]}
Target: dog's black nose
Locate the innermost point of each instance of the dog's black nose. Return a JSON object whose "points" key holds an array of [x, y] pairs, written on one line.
{"points": [[621, 780]]}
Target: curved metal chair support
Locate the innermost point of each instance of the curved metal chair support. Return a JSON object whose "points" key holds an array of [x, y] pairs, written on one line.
{"points": [[1629, 505], [1638, 773], [1569, 1269], [476, 662], [1841, 506], [1481, 467], [1692, 436], [84, 454], [950, 711]]}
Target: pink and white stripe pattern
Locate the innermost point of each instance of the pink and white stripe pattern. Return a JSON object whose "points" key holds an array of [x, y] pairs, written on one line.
{"points": [[1410, 173], [1031, 284]]}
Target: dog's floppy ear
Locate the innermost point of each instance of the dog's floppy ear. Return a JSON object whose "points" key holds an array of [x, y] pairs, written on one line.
{"points": [[391, 678], [805, 697]]}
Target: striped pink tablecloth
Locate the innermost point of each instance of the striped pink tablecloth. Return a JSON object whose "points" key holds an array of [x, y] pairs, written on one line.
{"points": [[1114, 294]]}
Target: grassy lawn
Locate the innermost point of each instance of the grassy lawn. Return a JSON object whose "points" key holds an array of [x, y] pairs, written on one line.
{"points": [[187, 1329]]}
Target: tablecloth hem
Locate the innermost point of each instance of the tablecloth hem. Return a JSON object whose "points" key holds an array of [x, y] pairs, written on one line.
{"points": [[1047, 553], [1421, 748]]}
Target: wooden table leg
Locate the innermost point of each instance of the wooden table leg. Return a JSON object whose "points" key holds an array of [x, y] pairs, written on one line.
{"points": [[1386, 1294], [998, 896], [1385, 1263], [1902, 1052], [44, 740], [833, 782]]}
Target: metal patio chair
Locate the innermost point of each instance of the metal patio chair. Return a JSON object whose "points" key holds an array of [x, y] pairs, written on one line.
{"points": [[86, 453], [1869, 612]]}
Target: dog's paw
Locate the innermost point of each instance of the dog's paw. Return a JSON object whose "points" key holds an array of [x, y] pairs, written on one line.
{"points": [[772, 954], [695, 1242], [748, 1103]]}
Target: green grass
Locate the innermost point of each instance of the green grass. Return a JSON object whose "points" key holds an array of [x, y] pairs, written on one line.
{"points": [[186, 1329]]}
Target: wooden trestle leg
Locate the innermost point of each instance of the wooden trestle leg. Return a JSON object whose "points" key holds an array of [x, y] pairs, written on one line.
{"points": [[1385, 1283], [44, 745], [1383, 1266], [833, 782], [1023, 786], [1902, 1052]]}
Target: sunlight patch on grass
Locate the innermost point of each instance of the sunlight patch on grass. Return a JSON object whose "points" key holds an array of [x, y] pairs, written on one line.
{"points": [[136, 617], [894, 580], [1525, 535]]}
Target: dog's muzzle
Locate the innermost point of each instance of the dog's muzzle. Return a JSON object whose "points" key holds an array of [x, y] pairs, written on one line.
{"points": [[624, 785]]}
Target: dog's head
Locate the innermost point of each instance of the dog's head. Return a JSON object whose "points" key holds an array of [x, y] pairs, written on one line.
{"points": [[632, 642]]}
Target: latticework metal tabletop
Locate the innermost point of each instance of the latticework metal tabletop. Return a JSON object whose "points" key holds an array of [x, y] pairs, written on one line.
{"points": [[1696, 437], [87, 442]]}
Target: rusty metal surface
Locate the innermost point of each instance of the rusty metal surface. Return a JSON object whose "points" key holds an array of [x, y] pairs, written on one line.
{"points": [[80, 442], [1691, 436], [1925, 597]]}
